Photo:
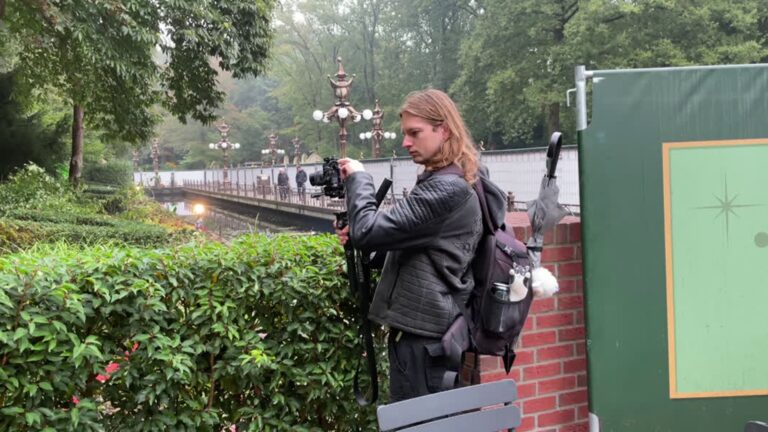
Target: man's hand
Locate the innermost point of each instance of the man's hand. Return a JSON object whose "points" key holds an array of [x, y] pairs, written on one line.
{"points": [[342, 234], [349, 166]]}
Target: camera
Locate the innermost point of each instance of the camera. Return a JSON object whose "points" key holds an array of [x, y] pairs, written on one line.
{"points": [[329, 178]]}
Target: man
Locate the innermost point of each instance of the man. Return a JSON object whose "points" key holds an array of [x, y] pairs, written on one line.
{"points": [[301, 178], [430, 238], [282, 184]]}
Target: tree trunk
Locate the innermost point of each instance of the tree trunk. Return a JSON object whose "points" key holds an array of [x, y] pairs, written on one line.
{"points": [[553, 119], [76, 162], [2, 9]]}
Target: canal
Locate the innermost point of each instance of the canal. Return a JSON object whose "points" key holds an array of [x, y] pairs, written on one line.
{"points": [[227, 223]]}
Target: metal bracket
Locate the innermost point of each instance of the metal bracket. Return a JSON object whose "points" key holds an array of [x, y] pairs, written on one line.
{"points": [[568, 96]]}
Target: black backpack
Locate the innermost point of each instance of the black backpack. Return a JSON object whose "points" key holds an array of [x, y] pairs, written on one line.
{"points": [[494, 322]]}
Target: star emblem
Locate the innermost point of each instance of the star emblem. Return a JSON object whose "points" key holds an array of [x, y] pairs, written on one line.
{"points": [[726, 205]]}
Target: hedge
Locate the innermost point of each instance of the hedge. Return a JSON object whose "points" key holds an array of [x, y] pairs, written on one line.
{"points": [[260, 335], [16, 234]]}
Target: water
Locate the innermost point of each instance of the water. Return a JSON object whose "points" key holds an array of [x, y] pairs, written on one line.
{"points": [[225, 224]]}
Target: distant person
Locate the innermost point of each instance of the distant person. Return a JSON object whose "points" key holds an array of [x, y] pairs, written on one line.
{"points": [[301, 178], [282, 184]]}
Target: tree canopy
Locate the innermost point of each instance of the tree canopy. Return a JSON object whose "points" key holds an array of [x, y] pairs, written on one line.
{"points": [[102, 57], [508, 63]]}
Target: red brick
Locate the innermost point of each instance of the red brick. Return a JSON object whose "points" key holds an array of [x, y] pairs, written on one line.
{"points": [[522, 232], [575, 366], [577, 255], [575, 232], [524, 357], [555, 352], [559, 319], [561, 233], [526, 390], [557, 384], [496, 375], [558, 253], [572, 301], [489, 362], [530, 324], [571, 333], [569, 286], [556, 418], [543, 305], [579, 317], [581, 348], [575, 427], [582, 412], [539, 338], [551, 267], [569, 269], [539, 404], [549, 237], [582, 380], [528, 424], [542, 371], [572, 398]]}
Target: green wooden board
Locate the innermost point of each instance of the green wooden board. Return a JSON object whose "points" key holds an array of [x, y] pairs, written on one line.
{"points": [[621, 169]]}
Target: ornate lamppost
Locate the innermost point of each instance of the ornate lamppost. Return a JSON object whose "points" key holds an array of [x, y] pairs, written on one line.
{"points": [[272, 150], [296, 150], [136, 164], [377, 133], [225, 147], [342, 110], [155, 160]]}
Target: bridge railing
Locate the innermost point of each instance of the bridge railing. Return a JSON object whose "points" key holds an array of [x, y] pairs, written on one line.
{"points": [[311, 198], [517, 172]]}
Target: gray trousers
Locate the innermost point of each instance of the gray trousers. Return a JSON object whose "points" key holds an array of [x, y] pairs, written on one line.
{"points": [[417, 366]]}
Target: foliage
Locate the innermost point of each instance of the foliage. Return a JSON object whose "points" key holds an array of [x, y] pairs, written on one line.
{"points": [[26, 137], [101, 56], [260, 334], [114, 172], [34, 228], [32, 188]]}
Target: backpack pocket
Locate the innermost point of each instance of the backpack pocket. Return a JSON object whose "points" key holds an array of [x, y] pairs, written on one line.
{"points": [[500, 316]]}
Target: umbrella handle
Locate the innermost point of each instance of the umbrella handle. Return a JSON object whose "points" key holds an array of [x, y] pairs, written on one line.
{"points": [[553, 153]]}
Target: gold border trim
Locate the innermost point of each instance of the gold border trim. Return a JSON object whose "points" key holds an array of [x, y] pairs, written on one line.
{"points": [[666, 148]]}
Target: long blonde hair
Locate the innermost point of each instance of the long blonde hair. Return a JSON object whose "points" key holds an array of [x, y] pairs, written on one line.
{"points": [[437, 108]]}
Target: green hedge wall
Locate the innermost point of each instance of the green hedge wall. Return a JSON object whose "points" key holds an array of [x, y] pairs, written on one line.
{"points": [[21, 229], [260, 334]]}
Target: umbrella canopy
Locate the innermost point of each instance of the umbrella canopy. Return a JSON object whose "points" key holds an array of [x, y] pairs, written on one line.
{"points": [[545, 211]]}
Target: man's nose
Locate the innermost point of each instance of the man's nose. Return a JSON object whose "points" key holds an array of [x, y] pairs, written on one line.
{"points": [[406, 142]]}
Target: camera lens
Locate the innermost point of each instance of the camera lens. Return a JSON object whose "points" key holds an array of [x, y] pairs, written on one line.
{"points": [[316, 179]]}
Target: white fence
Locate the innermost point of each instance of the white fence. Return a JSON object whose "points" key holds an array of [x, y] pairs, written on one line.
{"points": [[516, 171]]}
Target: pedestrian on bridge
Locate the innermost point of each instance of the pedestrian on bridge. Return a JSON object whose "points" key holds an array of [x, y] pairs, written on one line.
{"points": [[301, 179], [282, 184]]}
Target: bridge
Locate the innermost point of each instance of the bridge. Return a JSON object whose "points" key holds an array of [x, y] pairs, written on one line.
{"points": [[252, 191]]}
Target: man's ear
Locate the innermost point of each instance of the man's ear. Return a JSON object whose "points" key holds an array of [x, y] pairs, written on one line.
{"points": [[445, 132]]}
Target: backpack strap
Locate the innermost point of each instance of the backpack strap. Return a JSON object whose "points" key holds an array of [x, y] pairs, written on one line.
{"points": [[454, 169]]}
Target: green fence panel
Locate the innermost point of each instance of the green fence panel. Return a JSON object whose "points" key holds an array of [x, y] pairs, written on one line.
{"points": [[674, 194]]}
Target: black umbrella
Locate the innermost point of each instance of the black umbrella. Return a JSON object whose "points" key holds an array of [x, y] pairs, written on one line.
{"points": [[545, 211]]}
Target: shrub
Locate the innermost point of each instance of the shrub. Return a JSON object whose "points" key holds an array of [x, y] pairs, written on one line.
{"points": [[19, 234], [261, 334], [113, 172], [31, 188]]}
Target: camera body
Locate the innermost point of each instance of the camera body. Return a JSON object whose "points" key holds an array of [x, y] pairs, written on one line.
{"points": [[329, 178]]}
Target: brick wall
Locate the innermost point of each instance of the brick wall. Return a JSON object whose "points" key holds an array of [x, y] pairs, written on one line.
{"points": [[551, 368]]}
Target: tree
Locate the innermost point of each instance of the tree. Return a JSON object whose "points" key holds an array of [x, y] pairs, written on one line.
{"points": [[101, 56], [26, 138]]}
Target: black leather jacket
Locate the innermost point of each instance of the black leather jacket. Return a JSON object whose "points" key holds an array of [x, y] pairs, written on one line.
{"points": [[430, 237]]}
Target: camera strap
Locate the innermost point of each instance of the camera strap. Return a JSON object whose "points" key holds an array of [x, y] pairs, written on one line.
{"points": [[361, 287], [359, 274]]}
